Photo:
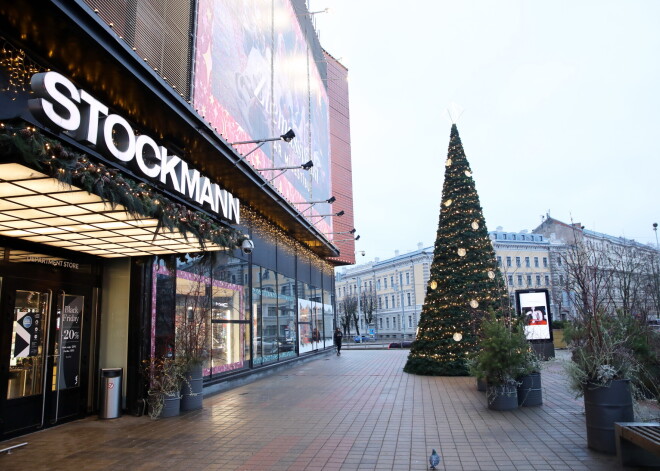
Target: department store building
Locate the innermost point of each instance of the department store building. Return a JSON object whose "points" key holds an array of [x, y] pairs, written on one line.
{"points": [[147, 170]]}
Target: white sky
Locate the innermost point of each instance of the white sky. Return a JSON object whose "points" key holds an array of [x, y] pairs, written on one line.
{"points": [[561, 105]]}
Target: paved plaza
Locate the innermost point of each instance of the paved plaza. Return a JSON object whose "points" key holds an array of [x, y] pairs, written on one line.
{"points": [[358, 411]]}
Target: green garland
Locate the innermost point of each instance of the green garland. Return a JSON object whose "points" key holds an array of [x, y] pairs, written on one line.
{"points": [[139, 199]]}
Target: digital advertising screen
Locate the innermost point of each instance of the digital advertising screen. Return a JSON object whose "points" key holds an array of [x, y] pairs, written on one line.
{"points": [[255, 77], [534, 310]]}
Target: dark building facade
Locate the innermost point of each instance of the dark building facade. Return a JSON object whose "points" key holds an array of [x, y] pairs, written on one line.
{"points": [[148, 185]]}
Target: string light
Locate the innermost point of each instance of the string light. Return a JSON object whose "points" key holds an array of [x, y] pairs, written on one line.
{"points": [[463, 270]]}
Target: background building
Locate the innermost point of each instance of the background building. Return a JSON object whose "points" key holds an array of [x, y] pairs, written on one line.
{"points": [[524, 260], [141, 141], [632, 281], [398, 286]]}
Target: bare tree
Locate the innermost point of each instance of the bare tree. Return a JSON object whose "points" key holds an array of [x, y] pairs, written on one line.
{"points": [[368, 304], [348, 307], [630, 273]]}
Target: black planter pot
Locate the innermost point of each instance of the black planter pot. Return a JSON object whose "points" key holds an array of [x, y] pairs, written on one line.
{"points": [[502, 397], [529, 390], [604, 405], [481, 384], [171, 405], [191, 390]]}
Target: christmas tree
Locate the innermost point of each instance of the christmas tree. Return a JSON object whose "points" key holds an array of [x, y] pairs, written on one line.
{"points": [[465, 282]]}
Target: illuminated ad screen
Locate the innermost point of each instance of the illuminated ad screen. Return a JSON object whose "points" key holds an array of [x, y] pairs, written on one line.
{"points": [[255, 77], [533, 307]]}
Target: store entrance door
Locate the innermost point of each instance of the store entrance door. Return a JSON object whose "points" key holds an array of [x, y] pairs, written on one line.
{"points": [[42, 365]]}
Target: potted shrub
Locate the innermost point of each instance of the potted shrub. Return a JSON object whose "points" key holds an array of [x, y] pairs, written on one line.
{"points": [[165, 376], [601, 368], [500, 360], [529, 388]]}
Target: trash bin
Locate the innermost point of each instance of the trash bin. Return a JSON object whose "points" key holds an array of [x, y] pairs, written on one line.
{"points": [[110, 393]]}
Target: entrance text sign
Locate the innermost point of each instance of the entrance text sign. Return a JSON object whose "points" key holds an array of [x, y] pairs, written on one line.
{"points": [[89, 121], [71, 325]]}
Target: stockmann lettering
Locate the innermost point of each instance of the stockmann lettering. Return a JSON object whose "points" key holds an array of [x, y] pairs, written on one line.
{"points": [[88, 120]]}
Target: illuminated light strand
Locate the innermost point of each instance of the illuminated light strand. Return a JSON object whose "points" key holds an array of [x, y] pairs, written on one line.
{"points": [[112, 187], [463, 262]]}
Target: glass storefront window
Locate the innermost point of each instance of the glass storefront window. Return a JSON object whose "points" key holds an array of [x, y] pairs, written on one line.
{"points": [[267, 341], [310, 318], [228, 328], [328, 318], [286, 306], [257, 354]]}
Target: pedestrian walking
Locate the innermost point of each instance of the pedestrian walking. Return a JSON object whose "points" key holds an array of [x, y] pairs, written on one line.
{"points": [[337, 338]]}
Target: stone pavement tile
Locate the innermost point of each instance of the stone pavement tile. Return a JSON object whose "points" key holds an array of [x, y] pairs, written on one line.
{"points": [[358, 411]]}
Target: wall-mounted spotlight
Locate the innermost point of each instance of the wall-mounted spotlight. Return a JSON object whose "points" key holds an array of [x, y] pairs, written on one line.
{"points": [[312, 13], [286, 137], [330, 200], [339, 214], [352, 231], [306, 166]]}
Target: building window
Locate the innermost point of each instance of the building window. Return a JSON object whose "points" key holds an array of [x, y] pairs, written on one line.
{"points": [[409, 321], [504, 236], [380, 302], [529, 280], [369, 285], [510, 280], [545, 262], [513, 237], [547, 280], [407, 278], [380, 323], [378, 285], [518, 261], [538, 280], [387, 322], [508, 261], [527, 262], [499, 261], [409, 302], [385, 283], [520, 280], [393, 302], [561, 280], [386, 303], [394, 322], [392, 281], [536, 262], [559, 260]]}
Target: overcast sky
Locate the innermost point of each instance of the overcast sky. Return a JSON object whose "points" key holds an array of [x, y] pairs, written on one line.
{"points": [[561, 105]]}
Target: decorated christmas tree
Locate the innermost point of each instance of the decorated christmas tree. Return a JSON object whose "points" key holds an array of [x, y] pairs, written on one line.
{"points": [[465, 282]]}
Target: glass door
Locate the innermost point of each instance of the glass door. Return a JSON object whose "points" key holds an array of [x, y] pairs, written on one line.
{"points": [[41, 345], [25, 317]]}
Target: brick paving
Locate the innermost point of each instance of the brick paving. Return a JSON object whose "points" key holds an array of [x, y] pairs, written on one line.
{"points": [[358, 411]]}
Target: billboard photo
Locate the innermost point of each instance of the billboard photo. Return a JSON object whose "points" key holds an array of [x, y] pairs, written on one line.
{"points": [[534, 310], [255, 77]]}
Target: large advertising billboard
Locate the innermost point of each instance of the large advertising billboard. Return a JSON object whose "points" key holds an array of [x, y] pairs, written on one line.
{"points": [[534, 310], [255, 77]]}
